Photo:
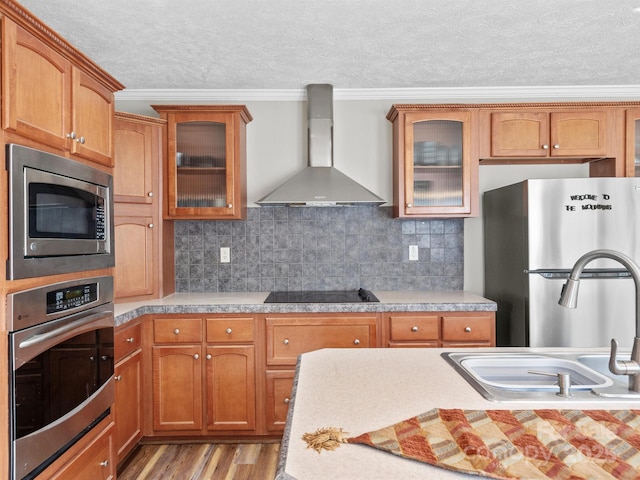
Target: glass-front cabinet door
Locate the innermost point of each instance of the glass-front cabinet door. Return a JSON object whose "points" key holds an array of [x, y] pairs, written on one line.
{"points": [[206, 161], [632, 168], [433, 168]]}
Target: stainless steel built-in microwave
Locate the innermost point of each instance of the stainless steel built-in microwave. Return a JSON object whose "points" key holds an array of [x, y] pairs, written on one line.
{"points": [[60, 215]]}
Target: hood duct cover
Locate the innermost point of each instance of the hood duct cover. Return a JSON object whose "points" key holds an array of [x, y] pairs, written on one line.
{"points": [[320, 184]]}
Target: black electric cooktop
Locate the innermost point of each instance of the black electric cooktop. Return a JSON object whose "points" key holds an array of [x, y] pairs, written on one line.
{"points": [[333, 296]]}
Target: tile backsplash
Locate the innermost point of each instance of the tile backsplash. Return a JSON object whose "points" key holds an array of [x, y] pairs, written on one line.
{"points": [[319, 248]]}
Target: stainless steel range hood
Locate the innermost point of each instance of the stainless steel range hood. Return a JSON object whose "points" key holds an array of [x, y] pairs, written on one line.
{"points": [[320, 184]]}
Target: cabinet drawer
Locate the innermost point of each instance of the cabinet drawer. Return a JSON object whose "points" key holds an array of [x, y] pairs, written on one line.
{"points": [[287, 339], [417, 328], [468, 328], [127, 339], [230, 330], [177, 330]]}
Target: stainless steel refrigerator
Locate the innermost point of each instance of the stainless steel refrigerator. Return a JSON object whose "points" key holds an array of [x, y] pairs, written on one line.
{"points": [[534, 231]]}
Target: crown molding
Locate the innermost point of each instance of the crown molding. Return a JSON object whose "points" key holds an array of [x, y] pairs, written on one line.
{"points": [[425, 95]]}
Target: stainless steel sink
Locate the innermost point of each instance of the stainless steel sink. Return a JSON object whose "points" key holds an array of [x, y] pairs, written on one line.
{"points": [[507, 377]]}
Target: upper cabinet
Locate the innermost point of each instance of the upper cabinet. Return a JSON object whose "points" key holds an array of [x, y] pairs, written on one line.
{"points": [[205, 165], [435, 165], [52, 99], [632, 166]]}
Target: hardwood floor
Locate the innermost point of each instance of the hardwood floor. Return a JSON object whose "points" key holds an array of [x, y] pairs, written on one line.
{"points": [[202, 461]]}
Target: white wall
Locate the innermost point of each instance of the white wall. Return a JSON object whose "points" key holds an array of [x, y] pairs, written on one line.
{"points": [[276, 149]]}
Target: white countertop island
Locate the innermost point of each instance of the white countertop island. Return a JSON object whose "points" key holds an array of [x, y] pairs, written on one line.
{"points": [[360, 390]]}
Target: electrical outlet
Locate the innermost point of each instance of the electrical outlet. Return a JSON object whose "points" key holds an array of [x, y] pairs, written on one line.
{"points": [[413, 252], [225, 254]]}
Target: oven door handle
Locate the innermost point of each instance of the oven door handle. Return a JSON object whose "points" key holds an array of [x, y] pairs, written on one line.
{"points": [[43, 337]]}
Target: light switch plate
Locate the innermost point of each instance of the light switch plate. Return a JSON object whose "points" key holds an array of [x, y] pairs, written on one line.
{"points": [[225, 254], [413, 252]]}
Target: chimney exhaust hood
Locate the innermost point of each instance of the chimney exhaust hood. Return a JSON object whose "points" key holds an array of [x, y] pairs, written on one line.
{"points": [[320, 184]]}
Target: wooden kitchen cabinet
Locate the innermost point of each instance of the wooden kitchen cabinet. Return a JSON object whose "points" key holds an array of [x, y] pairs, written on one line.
{"points": [[291, 335], [440, 329], [91, 458], [632, 163], [279, 386], [205, 169], [129, 393], [435, 169], [140, 233], [51, 98]]}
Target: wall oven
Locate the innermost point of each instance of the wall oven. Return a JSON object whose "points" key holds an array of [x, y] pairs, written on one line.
{"points": [[60, 215], [61, 368]]}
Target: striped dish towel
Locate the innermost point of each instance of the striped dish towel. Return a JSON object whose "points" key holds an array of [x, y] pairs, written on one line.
{"points": [[510, 444]]}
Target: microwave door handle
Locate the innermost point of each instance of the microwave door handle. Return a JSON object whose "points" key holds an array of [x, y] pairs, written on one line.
{"points": [[43, 337]]}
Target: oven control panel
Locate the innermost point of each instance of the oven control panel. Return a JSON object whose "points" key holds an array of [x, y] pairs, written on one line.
{"points": [[66, 298]]}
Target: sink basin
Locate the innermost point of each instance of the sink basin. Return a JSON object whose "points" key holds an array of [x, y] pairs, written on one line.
{"points": [[505, 377], [512, 371]]}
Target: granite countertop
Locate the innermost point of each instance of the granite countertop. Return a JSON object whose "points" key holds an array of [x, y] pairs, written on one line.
{"points": [[253, 302], [361, 390]]}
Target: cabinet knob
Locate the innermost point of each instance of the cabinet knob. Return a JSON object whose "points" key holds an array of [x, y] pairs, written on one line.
{"points": [[196, 356], [286, 341], [104, 358], [287, 400], [150, 194], [414, 329], [104, 463], [556, 146], [356, 342], [130, 340], [467, 329], [80, 140], [117, 378], [151, 225], [545, 147], [92, 358], [409, 205], [229, 205], [209, 356], [229, 331], [71, 135], [176, 331]]}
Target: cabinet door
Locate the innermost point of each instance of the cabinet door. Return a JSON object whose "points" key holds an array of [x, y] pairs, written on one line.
{"points": [[128, 404], [135, 162], [579, 133], [519, 134], [177, 387], [91, 119], [35, 88], [632, 165], [231, 394], [279, 387], [437, 164], [136, 255], [95, 462]]}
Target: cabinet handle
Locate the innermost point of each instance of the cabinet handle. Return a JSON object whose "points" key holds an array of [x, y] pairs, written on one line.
{"points": [[104, 358], [287, 400], [92, 358], [467, 329], [556, 146], [104, 464], [71, 135], [409, 205], [229, 331], [229, 205], [176, 331], [208, 356], [356, 342], [151, 225], [414, 329], [196, 356], [117, 378], [150, 194], [130, 340], [80, 140], [545, 147], [286, 341]]}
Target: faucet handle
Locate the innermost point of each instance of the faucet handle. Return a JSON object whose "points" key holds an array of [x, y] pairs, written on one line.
{"points": [[622, 367]]}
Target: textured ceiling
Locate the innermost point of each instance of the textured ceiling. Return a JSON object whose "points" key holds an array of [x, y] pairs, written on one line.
{"points": [[353, 44]]}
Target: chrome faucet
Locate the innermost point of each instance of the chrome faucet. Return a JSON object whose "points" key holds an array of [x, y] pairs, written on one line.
{"points": [[569, 299]]}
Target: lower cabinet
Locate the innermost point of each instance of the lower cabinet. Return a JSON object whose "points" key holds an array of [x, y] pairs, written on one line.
{"points": [[207, 387], [278, 388], [440, 329], [92, 458], [128, 404]]}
